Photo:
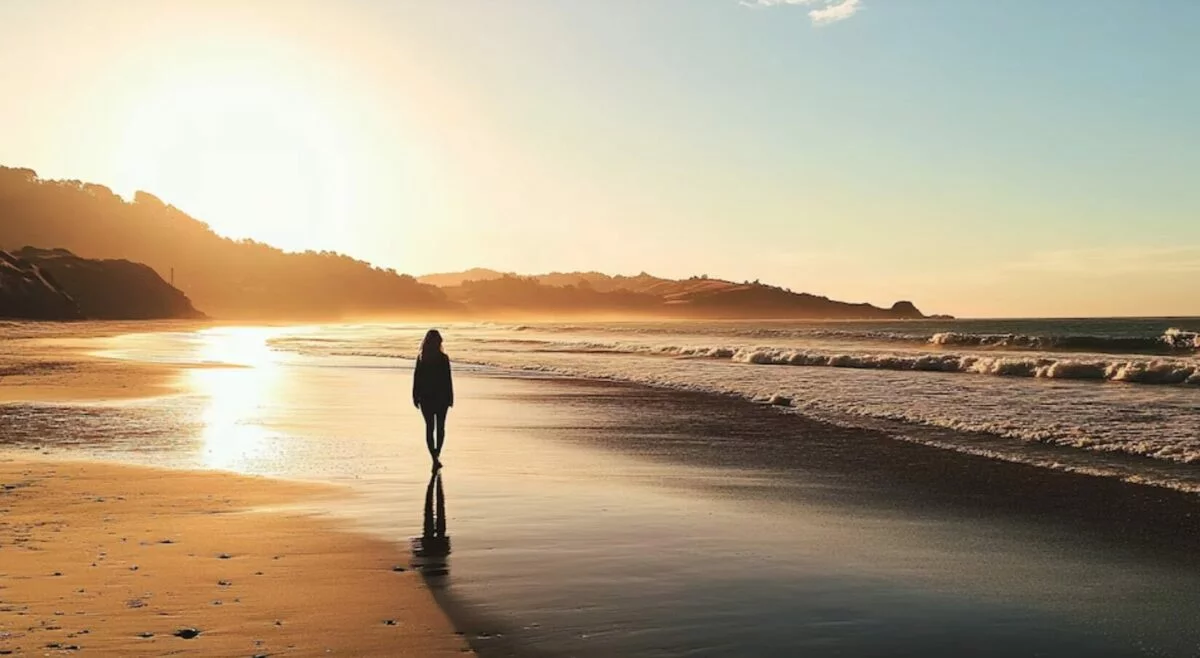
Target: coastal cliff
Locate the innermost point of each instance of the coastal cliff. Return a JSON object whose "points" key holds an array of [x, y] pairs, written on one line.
{"points": [[27, 292], [112, 289]]}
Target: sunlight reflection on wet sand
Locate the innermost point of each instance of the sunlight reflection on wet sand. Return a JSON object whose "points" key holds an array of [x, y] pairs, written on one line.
{"points": [[545, 522], [241, 383]]}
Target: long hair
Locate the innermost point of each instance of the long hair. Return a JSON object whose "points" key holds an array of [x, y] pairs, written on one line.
{"points": [[431, 346]]}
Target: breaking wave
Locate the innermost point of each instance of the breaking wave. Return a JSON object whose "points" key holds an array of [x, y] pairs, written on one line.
{"points": [[1172, 340], [1163, 371], [1160, 371], [1139, 339], [1155, 371]]}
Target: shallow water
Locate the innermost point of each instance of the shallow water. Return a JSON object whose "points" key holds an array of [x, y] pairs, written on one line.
{"points": [[1112, 397], [573, 532]]}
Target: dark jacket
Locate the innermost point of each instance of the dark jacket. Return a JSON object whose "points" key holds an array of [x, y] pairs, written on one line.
{"points": [[432, 385]]}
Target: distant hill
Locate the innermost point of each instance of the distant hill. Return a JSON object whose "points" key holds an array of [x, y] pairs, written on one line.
{"points": [[644, 294], [111, 289], [514, 295], [250, 280], [458, 278], [29, 293], [227, 278]]}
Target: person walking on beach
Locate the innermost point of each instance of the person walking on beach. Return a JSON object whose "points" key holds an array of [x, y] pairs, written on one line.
{"points": [[433, 392]]}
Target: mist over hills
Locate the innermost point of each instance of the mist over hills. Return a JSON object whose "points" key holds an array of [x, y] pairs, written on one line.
{"points": [[245, 279]]}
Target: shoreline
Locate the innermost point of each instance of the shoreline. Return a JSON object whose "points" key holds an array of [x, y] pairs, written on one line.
{"points": [[1148, 512], [778, 466], [53, 362], [812, 459], [118, 559], [75, 533]]}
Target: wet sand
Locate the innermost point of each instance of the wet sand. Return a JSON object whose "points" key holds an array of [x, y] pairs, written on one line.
{"points": [[51, 362], [734, 530], [600, 519], [109, 560]]}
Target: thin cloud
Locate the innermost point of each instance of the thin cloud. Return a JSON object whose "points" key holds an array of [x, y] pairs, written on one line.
{"points": [[838, 11], [823, 12]]}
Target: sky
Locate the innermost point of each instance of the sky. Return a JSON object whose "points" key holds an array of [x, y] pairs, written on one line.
{"points": [[979, 157]]}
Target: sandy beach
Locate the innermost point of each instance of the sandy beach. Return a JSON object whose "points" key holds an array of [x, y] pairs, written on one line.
{"points": [[99, 559], [53, 362], [111, 559], [589, 518]]}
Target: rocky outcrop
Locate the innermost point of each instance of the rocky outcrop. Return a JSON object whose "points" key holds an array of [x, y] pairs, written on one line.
{"points": [[110, 289], [906, 310], [29, 293]]}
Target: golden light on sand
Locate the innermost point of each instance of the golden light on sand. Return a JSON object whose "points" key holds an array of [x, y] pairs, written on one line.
{"points": [[236, 397]]}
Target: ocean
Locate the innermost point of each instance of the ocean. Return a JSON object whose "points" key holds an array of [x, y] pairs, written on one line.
{"points": [[1110, 397]]}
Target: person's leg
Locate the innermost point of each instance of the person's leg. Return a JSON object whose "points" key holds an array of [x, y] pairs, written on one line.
{"points": [[441, 430], [430, 418]]}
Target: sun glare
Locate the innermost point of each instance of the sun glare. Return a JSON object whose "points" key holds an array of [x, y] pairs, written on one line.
{"points": [[237, 346], [233, 433], [254, 151]]}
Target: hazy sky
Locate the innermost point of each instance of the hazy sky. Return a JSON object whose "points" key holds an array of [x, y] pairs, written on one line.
{"points": [[980, 157]]}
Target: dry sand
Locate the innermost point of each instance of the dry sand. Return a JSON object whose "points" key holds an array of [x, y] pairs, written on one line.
{"points": [[108, 560]]}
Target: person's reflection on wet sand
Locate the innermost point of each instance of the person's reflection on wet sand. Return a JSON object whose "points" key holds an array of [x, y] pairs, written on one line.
{"points": [[431, 549]]}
